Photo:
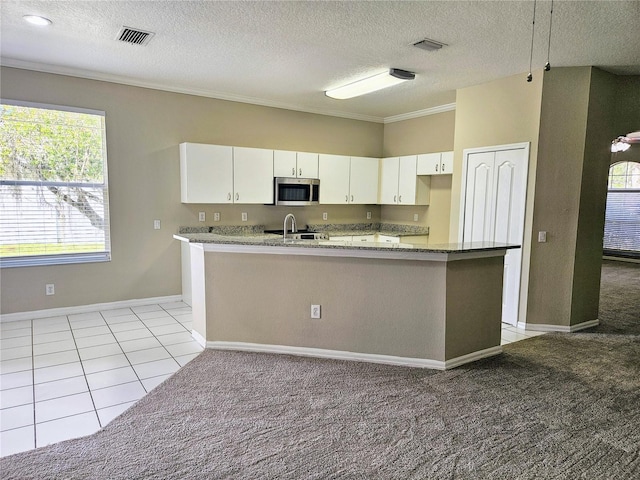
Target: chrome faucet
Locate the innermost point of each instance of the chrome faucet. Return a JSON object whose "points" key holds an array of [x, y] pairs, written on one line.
{"points": [[293, 225]]}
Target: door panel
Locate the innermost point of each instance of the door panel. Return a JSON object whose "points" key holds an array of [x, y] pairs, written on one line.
{"points": [[477, 216], [494, 208]]}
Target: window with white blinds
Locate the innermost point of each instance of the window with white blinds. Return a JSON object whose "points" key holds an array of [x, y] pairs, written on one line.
{"points": [[53, 185], [622, 217]]}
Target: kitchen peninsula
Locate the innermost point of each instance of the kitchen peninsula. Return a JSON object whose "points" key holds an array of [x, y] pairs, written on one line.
{"points": [[433, 306]]}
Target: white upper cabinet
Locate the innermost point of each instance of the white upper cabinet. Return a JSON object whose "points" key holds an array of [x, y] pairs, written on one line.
{"points": [[363, 181], [348, 180], [252, 175], [223, 174], [307, 165], [295, 164], [333, 172], [389, 171], [400, 184], [435, 163], [284, 163], [206, 173]]}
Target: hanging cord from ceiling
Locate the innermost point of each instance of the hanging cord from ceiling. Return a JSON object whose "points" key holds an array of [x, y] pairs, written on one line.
{"points": [[533, 31], [547, 66]]}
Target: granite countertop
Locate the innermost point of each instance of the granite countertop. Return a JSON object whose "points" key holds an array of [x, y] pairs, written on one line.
{"points": [[255, 236]]}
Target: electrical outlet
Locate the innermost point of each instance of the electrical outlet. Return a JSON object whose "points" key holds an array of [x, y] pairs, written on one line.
{"points": [[216, 217], [156, 224], [50, 289], [368, 215], [542, 237], [201, 216], [315, 311], [244, 216], [324, 215], [415, 217]]}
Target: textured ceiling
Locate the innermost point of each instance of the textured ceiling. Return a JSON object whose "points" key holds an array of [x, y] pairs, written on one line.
{"points": [[287, 53]]}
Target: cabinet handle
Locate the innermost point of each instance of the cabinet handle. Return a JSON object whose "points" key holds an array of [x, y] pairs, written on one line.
{"points": [[352, 198], [395, 199], [229, 196], [436, 167], [300, 172], [237, 196], [293, 171], [346, 198], [400, 199]]}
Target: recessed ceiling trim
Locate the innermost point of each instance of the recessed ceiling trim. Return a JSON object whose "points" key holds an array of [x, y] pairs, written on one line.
{"points": [[134, 36]]}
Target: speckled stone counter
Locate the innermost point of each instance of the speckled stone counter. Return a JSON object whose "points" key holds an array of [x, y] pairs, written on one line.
{"points": [[430, 306], [239, 240]]}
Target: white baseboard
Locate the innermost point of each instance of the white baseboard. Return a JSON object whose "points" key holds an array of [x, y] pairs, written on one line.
{"points": [[55, 312], [199, 338], [472, 357], [542, 327], [354, 356]]}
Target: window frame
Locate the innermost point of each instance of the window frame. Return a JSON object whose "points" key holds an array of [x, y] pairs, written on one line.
{"points": [[617, 191], [66, 258]]}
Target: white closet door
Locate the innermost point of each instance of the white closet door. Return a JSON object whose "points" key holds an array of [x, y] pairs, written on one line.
{"points": [[494, 209], [479, 197]]}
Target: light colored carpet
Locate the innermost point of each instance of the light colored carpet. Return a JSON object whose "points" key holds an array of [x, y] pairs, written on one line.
{"points": [[561, 406]]}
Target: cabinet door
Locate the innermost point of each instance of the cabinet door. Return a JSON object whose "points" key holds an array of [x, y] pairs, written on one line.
{"points": [[333, 171], [284, 163], [307, 165], [252, 175], [363, 180], [407, 180], [446, 163], [206, 173], [389, 169], [429, 164]]}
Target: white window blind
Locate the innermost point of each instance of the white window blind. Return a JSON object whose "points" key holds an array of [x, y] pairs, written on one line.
{"points": [[622, 216], [53, 186], [622, 221]]}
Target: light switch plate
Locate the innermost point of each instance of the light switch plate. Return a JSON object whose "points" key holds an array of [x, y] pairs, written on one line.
{"points": [[156, 224], [542, 237]]}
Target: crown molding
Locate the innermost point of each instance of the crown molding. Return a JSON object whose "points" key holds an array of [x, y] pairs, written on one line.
{"points": [[72, 72], [105, 77], [421, 113]]}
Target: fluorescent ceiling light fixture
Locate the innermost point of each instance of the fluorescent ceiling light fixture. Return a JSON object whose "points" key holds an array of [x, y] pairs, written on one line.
{"points": [[371, 84], [37, 20]]}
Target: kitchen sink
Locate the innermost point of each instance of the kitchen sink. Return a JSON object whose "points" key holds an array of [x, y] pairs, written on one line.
{"points": [[300, 235]]}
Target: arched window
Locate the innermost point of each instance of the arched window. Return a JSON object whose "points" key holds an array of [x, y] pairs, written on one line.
{"points": [[622, 217]]}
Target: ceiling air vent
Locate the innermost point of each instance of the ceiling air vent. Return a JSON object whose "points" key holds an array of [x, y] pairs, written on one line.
{"points": [[134, 36]]}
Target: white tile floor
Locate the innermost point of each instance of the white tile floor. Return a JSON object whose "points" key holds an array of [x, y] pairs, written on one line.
{"points": [[512, 334], [68, 376]]}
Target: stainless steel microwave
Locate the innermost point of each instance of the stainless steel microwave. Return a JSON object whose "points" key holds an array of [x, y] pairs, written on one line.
{"points": [[296, 191]]}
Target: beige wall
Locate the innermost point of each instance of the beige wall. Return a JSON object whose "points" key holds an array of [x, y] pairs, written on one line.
{"points": [[432, 133], [420, 309], [577, 124], [600, 130], [498, 113], [144, 129], [561, 153]]}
